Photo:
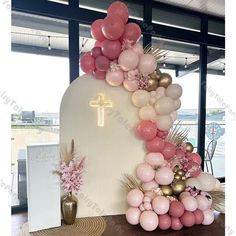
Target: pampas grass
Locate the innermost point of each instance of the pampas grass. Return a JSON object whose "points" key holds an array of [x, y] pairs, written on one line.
{"points": [[218, 200], [129, 182]]}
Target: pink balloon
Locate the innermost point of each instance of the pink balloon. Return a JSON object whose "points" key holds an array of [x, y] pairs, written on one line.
{"points": [[96, 51], [128, 60], [99, 74], [164, 222], [147, 64], [196, 158], [208, 217], [98, 44], [187, 219], [203, 202], [149, 220], [164, 176], [179, 153], [133, 215], [87, 63], [111, 49], [102, 63], [154, 159], [115, 78], [169, 150], [96, 30], [132, 32], [190, 203], [198, 217], [131, 85], [113, 27], [145, 172], [155, 145], [161, 205], [148, 186], [176, 224], [135, 197], [146, 130], [137, 48], [193, 168], [176, 209], [183, 195], [119, 9]]}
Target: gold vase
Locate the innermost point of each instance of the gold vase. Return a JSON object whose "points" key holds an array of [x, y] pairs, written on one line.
{"points": [[69, 209]]}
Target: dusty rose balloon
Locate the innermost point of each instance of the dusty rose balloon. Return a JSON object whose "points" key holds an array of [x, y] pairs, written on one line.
{"points": [[132, 32], [176, 209], [187, 219], [146, 130], [161, 205], [140, 98], [138, 49], [147, 113], [96, 30], [119, 9], [115, 78], [199, 216], [133, 215], [164, 176], [208, 217], [96, 51], [148, 186], [194, 169], [207, 181], [87, 63], [128, 60], [154, 159], [174, 91], [149, 220], [164, 123], [131, 85], [177, 104], [164, 222], [145, 172], [100, 74], [203, 202], [102, 63], [98, 44], [164, 106], [176, 224], [147, 64], [193, 182], [169, 150], [111, 49], [196, 158], [135, 197], [190, 203], [155, 145], [184, 194], [179, 153]]}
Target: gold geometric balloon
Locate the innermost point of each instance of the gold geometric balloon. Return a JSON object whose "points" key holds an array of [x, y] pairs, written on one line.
{"points": [[189, 147], [166, 190], [165, 80], [178, 186], [152, 84]]}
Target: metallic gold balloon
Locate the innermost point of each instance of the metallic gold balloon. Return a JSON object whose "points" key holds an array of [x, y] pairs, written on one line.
{"points": [[189, 147], [165, 80], [152, 85], [183, 177], [166, 190], [156, 74], [177, 176], [178, 186], [180, 172], [175, 169]]}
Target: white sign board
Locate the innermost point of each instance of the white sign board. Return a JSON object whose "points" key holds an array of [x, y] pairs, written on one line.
{"points": [[43, 187], [101, 120]]}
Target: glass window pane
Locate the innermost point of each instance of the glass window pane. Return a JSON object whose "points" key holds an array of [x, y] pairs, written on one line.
{"points": [[216, 27]]}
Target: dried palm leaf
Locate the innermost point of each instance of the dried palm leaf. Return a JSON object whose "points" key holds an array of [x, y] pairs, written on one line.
{"points": [[218, 200], [155, 51], [130, 183], [68, 155]]}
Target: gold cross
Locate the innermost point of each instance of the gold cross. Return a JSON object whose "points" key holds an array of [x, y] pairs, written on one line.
{"points": [[100, 104]]}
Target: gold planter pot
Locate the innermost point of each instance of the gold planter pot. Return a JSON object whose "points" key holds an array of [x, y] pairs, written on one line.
{"points": [[69, 209]]}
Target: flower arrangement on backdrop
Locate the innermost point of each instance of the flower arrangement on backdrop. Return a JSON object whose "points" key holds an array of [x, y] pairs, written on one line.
{"points": [[170, 189]]}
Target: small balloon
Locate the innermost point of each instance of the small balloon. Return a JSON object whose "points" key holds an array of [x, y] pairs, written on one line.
{"points": [[187, 219], [208, 217], [152, 84], [199, 216], [164, 123], [178, 187], [174, 91], [164, 222], [165, 80], [176, 224], [96, 52], [146, 130], [133, 215], [101, 75], [176, 209], [177, 104], [149, 186], [115, 78], [154, 159], [96, 30], [131, 85], [189, 147], [145, 172], [166, 190], [140, 98], [87, 63], [138, 49], [190, 203], [119, 9], [132, 32], [147, 113], [102, 63]]}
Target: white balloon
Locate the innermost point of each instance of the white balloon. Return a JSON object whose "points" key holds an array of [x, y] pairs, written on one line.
{"points": [[207, 181], [140, 98], [193, 182], [161, 91], [147, 113], [208, 217], [174, 91], [152, 100], [164, 123], [153, 93], [177, 104], [164, 106], [173, 115]]}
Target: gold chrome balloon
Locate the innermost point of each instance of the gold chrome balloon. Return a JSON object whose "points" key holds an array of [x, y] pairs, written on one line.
{"points": [[177, 176], [152, 85], [180, 172], [165, 80], [156, 74], [175, 169], [189, 147], [166, 190], [183, 177], [178, 186]]}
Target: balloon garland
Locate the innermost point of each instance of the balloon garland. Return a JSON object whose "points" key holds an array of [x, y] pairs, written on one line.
{"points": [[173, 190]]}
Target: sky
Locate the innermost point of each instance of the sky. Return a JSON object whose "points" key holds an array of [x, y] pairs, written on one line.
{"points": [[38, 83]]}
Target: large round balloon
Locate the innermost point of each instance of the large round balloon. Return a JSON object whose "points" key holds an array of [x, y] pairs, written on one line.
{"points": [[133, 215], [140, 98], [164, 176], [155, 145], [164, 123], [132, 32], [87, 63], [111, 49], [145, 172], [113, 27], [149, 220], [135, 197], [119, 9], [102, 63], [160, 205], [128, 60], [174, 91], [96, 30], [131, 85], [164, 106], [147, 64], [115, 78], [147, 113], [146, 130], [154, 159]]}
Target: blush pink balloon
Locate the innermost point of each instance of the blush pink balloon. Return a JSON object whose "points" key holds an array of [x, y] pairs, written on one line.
{"points": [[145, 172], [135, 197], [96, 51], [196, 158], [132, 32], [96, 30], [119, 9], [164, 176], [128, 60], [138, 49], [161, 205], [133, 215], [115, 78], [111, 49], [99, 74], [113, 27], [169, 150], [131, 85], [199, 216], [87, 63], [187, 219], [208, 217], [149, 220], [102, 63], [203, 202], [164, 222], [183, 195], [154, 159], [176, 224], [190, 203], [146, 130], [176, 209], [155, 145], [148, 186], [147, 64]]}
